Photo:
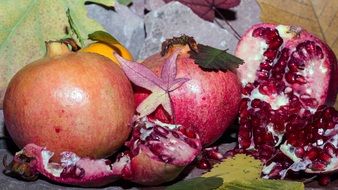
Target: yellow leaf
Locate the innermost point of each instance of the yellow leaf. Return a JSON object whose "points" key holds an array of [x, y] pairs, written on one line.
{"points": [[319, 17], [240, 166]]}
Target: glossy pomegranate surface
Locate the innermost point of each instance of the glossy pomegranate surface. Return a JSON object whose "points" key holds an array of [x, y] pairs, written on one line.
{"points": [[68, 101]]}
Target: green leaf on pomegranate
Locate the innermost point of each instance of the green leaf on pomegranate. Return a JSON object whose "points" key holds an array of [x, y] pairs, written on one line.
{"points": [[160, 86], [212, 58], [200, 183], [26, 25]]}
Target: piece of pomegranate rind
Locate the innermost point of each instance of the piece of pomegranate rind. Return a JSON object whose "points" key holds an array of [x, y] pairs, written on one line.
{"points": [[159, 152], [71, 170]]}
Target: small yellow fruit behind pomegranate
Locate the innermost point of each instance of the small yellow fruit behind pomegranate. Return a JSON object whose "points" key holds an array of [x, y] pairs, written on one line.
{"points": [[107, 45], [69, 101]]}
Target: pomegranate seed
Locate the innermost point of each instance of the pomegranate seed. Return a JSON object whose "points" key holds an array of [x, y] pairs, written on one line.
{"points": [[243, 133], [279, 127], [244, 114], [326, 158], [270, 54], [272, 34], [203, 164], [292, 66], [300, 79], [311, 154], [263, 74], [267, 89], [243, 105], [275, 43], [256, 103], [324, 180], [330, 125], [310, 47], [247, 89], [190, 133], [214, 154], [265, 66], [308, 101], [290, 77], [258, 139], [258, 32], [299, 152], [328, 113], [330, 149], [302, 52], [244, 143], [319, 52], [255, 122], [318, 166], [268, 138], [292, 139]]}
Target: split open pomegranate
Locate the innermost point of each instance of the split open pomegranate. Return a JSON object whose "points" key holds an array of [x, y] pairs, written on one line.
{"points": [[288, 74]]}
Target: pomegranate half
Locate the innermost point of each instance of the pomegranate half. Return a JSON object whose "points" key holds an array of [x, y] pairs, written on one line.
{"points": [[67, 101]]}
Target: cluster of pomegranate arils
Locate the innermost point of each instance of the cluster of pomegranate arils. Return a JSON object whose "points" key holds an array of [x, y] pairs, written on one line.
{"points": [[288, 78]]}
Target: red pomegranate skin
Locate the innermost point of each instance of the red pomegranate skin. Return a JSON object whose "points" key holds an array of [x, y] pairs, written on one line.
{"points": [[78, 102], [207, 103]]}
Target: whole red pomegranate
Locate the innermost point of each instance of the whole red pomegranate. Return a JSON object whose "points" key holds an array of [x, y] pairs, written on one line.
{"points": [[69, 101], [288, 76], [207, 103]]}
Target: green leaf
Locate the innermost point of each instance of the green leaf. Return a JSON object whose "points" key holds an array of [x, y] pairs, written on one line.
{"points": [[200, 183], [104, 37], [26, 25], [263, 184], [240, 166], [215, 59]]}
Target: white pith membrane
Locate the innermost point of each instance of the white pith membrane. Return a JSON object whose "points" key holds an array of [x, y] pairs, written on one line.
{"points": [[315, 74], [69, 159]]}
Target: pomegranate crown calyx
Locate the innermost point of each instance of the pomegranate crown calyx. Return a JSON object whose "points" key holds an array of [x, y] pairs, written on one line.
{"points": [[206, 57], [56, 48]]}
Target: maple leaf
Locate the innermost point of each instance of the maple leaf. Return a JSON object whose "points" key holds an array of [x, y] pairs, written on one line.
{"points": [[206, 8], [160, 86]]}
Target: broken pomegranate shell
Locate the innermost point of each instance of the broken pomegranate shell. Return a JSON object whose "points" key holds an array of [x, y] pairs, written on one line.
{"points": [[33, 160], [159, 152], [288, 74], [156, 153]]}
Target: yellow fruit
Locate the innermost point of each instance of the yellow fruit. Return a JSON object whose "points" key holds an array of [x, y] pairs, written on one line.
{"points": [[107, 50]]}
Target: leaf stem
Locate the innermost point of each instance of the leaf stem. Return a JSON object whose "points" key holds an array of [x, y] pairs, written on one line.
{"points": [[236, 34], [73, 28]]}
